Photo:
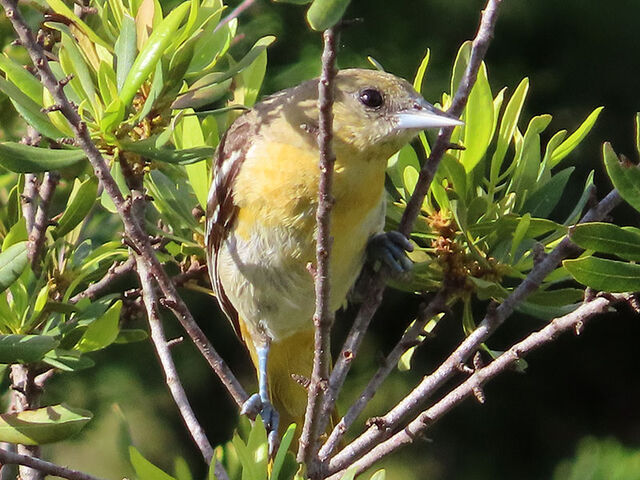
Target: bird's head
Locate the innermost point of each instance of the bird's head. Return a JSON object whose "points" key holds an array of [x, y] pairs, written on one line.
{"points": [[378, 110]]}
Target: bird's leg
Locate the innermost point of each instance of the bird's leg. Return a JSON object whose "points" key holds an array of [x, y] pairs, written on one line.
{"points": [[390, 248], [261, 403]]}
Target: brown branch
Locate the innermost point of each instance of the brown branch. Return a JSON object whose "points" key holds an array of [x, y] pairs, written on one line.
{"points": [[172, 378], [9, 458], [426, 313], [323, 317], [376, 284], [28, 199], [42, 221], [133, 229], [115, 272], [503, 363], [492, 320]]}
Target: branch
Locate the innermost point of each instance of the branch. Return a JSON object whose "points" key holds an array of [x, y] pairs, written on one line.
{"points": [[323, 317], [9, 458], [172, 379], [28, 199], [41, 222], [426, 313], [132, 228], [492, 320], [115, 272], [572, 321], [376, 284]]}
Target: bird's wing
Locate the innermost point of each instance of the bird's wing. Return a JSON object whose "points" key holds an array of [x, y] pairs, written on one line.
{"points": [[221, 208]]}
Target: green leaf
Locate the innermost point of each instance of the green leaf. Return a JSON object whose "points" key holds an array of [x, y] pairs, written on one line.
{"points": [[190, 134], [146, 61], [566, 147], [44, 425], [323, 14], [13, 261], [82, 80], [422, 69], [67, 360], [379, 475], [112, 116], [251, 81], [542, 202], [607, 238], [625, 177], [131, 335], [508, 125], [30, 110], [17, 233], [478, 118], [83, 196], [147, 149], [278, 460], [61, 8], [102, 332], [25, 348], [20, 158], [145, 470], [18, 75], [125, 50], [605, 275]]}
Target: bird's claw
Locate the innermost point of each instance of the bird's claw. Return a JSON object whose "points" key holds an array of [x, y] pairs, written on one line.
{"points": [[255, 405], [390, 248]]}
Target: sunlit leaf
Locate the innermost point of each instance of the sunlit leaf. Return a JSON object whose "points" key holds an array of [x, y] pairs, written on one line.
{"points": [[81, 199], [18, 75], [566, 147], [478, 118], [102, 332], [145, 470], [323, 14], [279, 459], [125, 49]]}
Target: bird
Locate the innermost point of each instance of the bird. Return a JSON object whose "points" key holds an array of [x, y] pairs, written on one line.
{"points": [[260, 221]]}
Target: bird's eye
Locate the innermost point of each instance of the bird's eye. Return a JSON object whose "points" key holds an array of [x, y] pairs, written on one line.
{"points": [[372, 98]]}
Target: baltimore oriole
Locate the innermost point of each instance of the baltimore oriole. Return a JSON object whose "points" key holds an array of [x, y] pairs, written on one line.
{"points": [[261, 218]]}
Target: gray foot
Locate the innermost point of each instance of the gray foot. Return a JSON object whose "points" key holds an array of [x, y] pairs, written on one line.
{"points": [[256, 405], [390, 248]]}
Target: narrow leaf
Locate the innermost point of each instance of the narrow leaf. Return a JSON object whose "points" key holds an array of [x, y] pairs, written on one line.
{"points": [[542, 202], [82, 198], [607, 238], [25, 348], [13, 261], [21, 158], [625, 177], [44, 425], [125, 49], [566, 147], [605, 275]]}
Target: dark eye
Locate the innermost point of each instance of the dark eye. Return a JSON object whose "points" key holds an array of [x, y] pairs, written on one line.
{"points": [[372, 98]]}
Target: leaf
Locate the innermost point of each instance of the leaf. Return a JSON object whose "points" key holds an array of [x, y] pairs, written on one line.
{"points": [[17, 233], [542, 202], [566, 147], [422, 69], [19, 75], [20, 158], [102, 332], [83, 196], [323, 14], [379, 475], [25, 348], [478, 118], [605, 275], [625, 177], [59, 7], [44, 425], [508, 125], [147, 59], [147, 149], [30, 110], [607, 238], [131, 335], [145, 470], [125, 50], [67, 360], [13, 261], [189, 134], [278, 460]]}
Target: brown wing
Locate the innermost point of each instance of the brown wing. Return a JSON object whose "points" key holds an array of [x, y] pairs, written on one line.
{"points": [[221, 209]]}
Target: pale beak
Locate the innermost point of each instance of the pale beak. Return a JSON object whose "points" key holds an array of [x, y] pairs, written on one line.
{"points": [[424, 115]]}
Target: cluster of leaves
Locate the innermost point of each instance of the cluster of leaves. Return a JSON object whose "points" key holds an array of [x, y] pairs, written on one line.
{"points": [[134, 75], [489, 208]]}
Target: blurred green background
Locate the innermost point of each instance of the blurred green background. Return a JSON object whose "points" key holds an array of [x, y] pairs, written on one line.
{"points": [[574, 414]]}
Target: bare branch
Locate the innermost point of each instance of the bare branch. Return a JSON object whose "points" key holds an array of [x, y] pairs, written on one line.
{"points": [[323, 317], [482, 375], [492, 320], [9, 458], [132, 228], [172, 379], [41, 222], [426, 313], [28, 199], [117, 270], [376, 284]]}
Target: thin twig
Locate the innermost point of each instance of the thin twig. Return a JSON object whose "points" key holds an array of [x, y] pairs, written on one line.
{"points": [[323, 317], [9, 458], [172, 378], [235, 13], [41, 222], [492, 320], [482, 375], [426, 313], [376, 282], [28, 200], [132, 227], [117, 271]]}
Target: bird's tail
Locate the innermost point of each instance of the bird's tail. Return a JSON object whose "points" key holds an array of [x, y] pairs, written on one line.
{"points": [[289, 366]]}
